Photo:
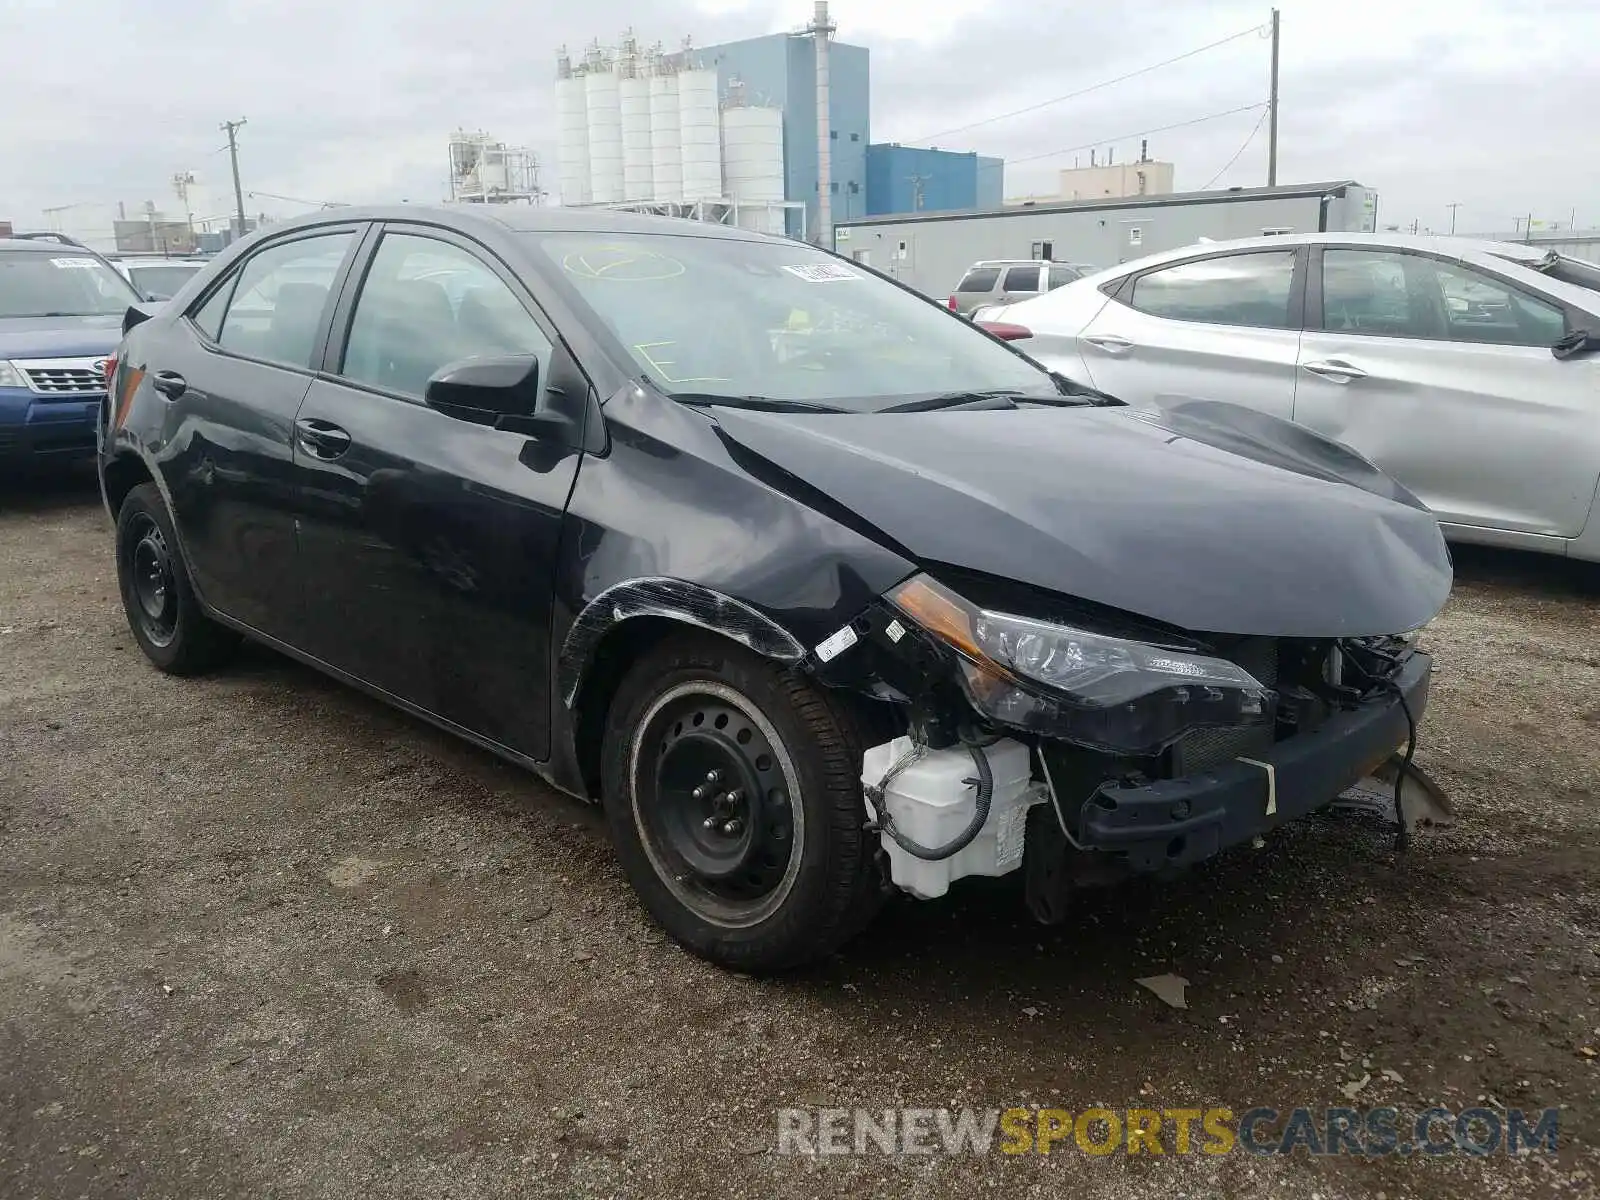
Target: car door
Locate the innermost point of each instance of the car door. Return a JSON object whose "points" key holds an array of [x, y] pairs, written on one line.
{"points": [[1213, 327], [428, 543], [232, 373], [1441, 373]]}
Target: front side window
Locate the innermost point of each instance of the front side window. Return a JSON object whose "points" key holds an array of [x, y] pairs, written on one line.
{"points": [[65, 284], [1392, 294], [1022, 279], [734, 317], [1232, 289], [979, 279], [278, 300], [1060, 274], [1481, 308], [426, 304]]}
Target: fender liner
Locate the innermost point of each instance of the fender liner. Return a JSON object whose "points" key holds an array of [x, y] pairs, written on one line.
{"points": [[678, 600]]}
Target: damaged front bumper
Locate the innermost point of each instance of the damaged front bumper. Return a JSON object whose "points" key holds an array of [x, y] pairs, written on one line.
{"points": [[1168, 823]]}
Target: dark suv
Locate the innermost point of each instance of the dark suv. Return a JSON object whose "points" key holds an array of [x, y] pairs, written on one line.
{"points": [[61, 309]]}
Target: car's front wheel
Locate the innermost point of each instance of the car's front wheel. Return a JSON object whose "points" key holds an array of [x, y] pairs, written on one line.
{"points": [[732, 788], [163, 612]]}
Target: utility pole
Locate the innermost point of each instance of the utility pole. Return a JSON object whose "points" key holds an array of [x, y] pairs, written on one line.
{"points": [[1272, 111], [231, 128], [1452, 208]]}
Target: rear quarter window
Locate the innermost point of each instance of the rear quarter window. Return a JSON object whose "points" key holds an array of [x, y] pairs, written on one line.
{"points": [[979, 279]]}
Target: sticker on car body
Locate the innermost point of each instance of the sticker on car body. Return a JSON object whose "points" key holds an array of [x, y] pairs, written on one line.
{"points": [[830, 648]]}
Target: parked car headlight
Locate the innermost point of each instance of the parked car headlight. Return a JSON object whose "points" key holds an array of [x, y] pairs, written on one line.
{"points": [[10, 376], [1112, 693]]}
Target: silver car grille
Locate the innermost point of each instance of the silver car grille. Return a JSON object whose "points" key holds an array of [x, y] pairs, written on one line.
{"points": [[64, 375]]}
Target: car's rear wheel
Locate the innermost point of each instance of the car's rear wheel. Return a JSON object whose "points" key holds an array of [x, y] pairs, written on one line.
{"points": [[163, 613], [732, 789]]}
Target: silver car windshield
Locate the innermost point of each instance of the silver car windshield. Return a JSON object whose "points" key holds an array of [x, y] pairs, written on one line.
{"points": [[61, 285], [778, 320]]}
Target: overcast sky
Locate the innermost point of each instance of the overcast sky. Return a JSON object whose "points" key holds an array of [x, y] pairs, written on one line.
{"points": [[1492, 105]]}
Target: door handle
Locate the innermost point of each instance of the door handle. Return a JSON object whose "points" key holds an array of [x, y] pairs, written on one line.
{"points": [[169, 383], [1109, 342], [321, 439], [1334, 369]]}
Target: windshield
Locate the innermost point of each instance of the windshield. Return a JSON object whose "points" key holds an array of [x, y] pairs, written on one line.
{"points": [[60, 285], [162, 279], [712, 316]]}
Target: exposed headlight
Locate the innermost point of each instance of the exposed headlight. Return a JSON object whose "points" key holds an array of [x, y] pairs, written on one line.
{"points": [[1124, 696], [10, 376]]}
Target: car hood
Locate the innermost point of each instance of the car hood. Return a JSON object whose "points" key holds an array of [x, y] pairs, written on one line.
{"points": [[1205, 516], [58, 337]]}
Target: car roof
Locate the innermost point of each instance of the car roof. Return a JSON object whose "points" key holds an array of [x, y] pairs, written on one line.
{"points": [[1433, 243], [522, 218], [55, 249]]}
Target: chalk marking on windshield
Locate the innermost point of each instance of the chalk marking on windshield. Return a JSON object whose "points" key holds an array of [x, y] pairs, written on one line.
{"points": [[87, 264], [661, 366], [647, 265]]}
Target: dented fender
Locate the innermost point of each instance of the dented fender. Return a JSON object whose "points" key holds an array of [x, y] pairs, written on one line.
{"points": [[677, 600]]}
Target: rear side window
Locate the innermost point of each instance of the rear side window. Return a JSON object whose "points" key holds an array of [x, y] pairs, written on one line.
{"points": [[1022, 279], [1232, 289], [979, 279], [279, 298], [1060, 275]]}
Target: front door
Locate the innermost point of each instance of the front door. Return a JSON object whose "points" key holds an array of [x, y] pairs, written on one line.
{"points": [[1442, 375], [232, 374], [428, 543], [1222, 327]]}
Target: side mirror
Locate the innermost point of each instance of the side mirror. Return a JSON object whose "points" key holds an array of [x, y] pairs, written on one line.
{"points": [[499, 387], [1579, 341], [502, 391]]}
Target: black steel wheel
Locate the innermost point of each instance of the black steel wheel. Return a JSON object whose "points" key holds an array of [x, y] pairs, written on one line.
{"points": [[154, 584], [163, 612], [732, 789], [712, 799]]}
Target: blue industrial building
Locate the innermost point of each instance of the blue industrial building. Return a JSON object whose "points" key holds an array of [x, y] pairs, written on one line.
{"points": [[781, 70], [907, 179]]}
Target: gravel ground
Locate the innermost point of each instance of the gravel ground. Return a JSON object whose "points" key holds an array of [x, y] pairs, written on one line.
{"points": [[260, 936]]}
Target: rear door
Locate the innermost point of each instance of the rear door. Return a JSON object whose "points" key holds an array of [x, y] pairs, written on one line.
{"points": [[428, 542], [1441, 373], [1214, 327], [231, 373]]}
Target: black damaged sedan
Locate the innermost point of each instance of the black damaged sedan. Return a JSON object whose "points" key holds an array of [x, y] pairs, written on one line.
{"points": [[820, 590]]}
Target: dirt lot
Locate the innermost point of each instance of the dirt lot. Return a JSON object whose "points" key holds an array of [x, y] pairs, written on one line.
{"points": [[262, 937]]}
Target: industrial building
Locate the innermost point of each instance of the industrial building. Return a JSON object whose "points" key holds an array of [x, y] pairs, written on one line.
{"points": [[486, 171], [731, 133], [931, 251], [909, 179], [1142, 176]]}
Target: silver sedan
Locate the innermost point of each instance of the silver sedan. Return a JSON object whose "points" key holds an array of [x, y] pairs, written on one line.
{"points": [[1467, 370]]}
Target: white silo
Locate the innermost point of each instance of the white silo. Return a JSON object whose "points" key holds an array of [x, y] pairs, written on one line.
{"points": [[637, 166], [605, 130], [572, 119], [701, 139], [752, 149], [666, 139]]}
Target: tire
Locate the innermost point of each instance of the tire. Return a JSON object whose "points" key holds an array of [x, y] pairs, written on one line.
{"points": [[163, 613], [799, 878]]}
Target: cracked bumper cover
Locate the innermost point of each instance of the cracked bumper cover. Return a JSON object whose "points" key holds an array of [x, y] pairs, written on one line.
{"points": [[1175, 822]]}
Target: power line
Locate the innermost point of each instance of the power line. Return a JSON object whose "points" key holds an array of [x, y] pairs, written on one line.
{"points": [[1256, 29], [1123, 137], [1252, 137]]}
